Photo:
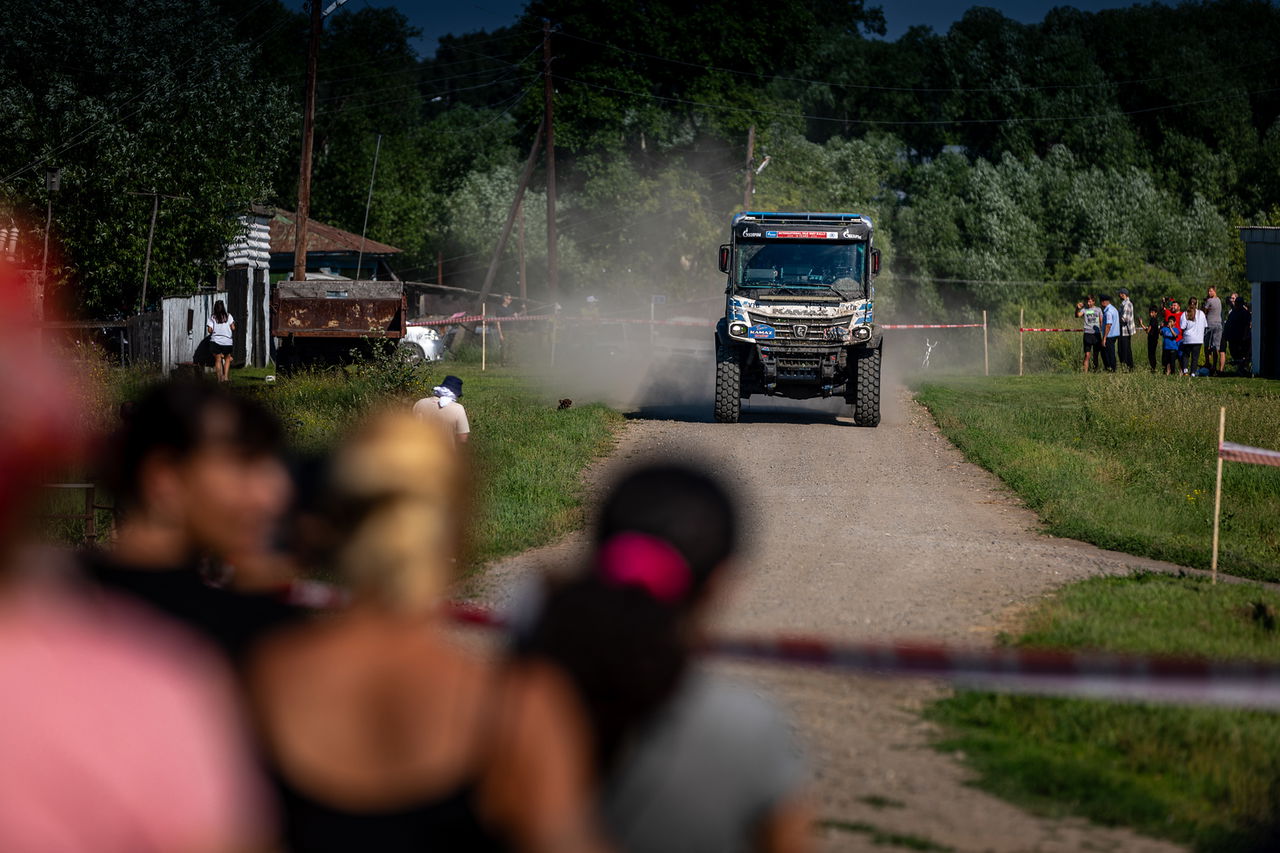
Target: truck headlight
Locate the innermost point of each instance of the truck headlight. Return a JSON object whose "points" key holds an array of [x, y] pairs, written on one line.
{"points": [[738, 330], [861, 333]]}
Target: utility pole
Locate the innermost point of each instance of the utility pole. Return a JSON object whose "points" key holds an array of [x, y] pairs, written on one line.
{"points": [[553, 263], [151, 236], [751, 168], [308, 133], [368, 201], [52, 183], [525, 174], [524, 289]]}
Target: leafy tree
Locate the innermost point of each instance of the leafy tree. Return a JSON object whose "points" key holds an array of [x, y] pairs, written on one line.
{"points": [[158, 94]]}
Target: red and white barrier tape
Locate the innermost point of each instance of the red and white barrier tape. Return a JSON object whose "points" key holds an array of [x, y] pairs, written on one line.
{"points": [[1051, 330], [1233, 452], [1138, 678], [606, 321], [932, 326]]}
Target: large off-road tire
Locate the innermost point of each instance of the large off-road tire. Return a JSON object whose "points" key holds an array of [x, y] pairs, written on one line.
{"points": [[728, 404], [866, 396]]}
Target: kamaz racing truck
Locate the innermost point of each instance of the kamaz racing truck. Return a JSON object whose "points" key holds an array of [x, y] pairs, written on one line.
{"points": [[798, 312]]}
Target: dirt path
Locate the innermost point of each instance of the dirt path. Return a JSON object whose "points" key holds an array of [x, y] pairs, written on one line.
{"points": [[872, 534]]}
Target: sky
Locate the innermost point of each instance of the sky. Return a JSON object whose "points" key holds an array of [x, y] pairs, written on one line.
{"points": [[437, 17]]}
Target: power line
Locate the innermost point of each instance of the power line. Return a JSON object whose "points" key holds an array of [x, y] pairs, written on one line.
{"points": [[930, 89], [906, 123]]}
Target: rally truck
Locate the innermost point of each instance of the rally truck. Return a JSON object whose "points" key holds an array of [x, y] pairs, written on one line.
{"points": [[798, 312]]}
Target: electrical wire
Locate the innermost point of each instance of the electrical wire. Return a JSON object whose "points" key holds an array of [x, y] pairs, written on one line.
{"points": [[928, 89]]}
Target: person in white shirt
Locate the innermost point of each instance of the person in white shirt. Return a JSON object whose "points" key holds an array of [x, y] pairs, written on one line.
{"points": [[1193, 326], [221, 327], [442, 407]]}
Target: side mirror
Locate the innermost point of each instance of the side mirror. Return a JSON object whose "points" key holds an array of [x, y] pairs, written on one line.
{"points": [[724, 258], [875, 262]]}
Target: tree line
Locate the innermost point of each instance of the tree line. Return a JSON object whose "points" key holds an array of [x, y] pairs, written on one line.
{"points": [[1086, 150]]}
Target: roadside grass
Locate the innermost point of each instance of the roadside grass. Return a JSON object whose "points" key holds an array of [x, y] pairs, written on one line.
{"points": [[1127, 462], [1205, 777], [527, 456]]}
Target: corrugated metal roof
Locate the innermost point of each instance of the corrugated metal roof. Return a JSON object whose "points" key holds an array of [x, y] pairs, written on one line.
{"points": [[321, 238]]}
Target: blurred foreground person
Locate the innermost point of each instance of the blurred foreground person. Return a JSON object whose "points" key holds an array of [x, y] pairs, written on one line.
{"points": [[690, 761], [118, 731], [197, 476], [383, 734]]}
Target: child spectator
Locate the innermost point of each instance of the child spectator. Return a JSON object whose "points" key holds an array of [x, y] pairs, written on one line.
{"points": [[1171, 347], [1153, 336], [1091, 315], [443, 409]]}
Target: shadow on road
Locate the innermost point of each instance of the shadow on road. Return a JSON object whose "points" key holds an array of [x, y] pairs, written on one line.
{"points": [[781, 412]]}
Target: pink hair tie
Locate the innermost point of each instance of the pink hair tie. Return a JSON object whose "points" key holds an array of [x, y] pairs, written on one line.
{"points": [[636, 559]]}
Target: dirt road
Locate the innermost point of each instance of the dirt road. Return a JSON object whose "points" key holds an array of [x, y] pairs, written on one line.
{"points": [[872, 534]]}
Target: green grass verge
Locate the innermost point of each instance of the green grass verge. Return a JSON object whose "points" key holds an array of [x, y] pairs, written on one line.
{"points": [[1206, 777], [528, 456], [1127, 462]]}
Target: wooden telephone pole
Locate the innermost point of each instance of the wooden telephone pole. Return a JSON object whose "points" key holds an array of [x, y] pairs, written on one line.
{"points": [[553, 263], [308, 133], [751, 169]]}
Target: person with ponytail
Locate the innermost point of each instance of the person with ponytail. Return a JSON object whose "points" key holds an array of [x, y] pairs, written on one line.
{"points": [[688, 762], [379, 731], [221, 329]]}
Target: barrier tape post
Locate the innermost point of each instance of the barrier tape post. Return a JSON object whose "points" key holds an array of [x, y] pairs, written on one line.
{"points": [[555, 324], [1217, 493], [484, 336], [986, 363], [1022, 321]]}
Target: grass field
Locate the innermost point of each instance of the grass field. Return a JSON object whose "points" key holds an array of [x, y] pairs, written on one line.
{"points": [[528, 456], [1209, 778], [1127, 462]]}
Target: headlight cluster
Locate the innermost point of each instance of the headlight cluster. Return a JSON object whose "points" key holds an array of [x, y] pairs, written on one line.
{"points": [[738, 330], [861, 333]]}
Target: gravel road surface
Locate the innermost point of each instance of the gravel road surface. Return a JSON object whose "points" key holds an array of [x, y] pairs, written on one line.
{"points": [[864, 534]]}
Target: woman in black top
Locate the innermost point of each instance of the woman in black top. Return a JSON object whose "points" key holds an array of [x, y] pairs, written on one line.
{"points": [[380, 732]]}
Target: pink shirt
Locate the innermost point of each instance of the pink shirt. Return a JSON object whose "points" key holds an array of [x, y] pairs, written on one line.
{"points": [[117, 734]]}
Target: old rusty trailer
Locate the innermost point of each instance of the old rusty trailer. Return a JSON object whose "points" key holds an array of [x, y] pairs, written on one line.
{"points": [[322, 321]]}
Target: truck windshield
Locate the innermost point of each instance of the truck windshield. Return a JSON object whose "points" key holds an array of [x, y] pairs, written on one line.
{"points": [[828, 268]]}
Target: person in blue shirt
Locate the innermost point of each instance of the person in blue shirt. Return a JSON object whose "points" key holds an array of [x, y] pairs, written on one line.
{"points": [[1110, 332], [1169, 339]]}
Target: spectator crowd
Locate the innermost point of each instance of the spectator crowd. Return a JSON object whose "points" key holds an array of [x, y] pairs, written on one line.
{"points": [[1198, 340], [164, 693]]}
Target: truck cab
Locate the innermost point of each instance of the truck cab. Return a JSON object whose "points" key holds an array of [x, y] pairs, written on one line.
{"points": [[799, 319]]}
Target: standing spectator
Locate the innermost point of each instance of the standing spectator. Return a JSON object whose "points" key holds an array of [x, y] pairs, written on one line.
{"points": [[1214, 355], [1128, 326], [691, 762], [197, 475], [444, 409], [1238, 332], [1091, 316], [1174, 309], [1193, 327], [1170, 347], [382, 732], [1110, 332], [1152, 327], [221, 327]]}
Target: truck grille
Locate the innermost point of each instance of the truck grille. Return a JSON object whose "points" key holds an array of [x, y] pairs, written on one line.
{"points": [[815, 330]]}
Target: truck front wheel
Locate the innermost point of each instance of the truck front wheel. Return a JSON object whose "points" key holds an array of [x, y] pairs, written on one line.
{"points": [[866, 383], [728, 403]]}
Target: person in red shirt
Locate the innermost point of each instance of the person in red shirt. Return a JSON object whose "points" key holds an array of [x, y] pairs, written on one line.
{"points": [[1174, 309]]}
